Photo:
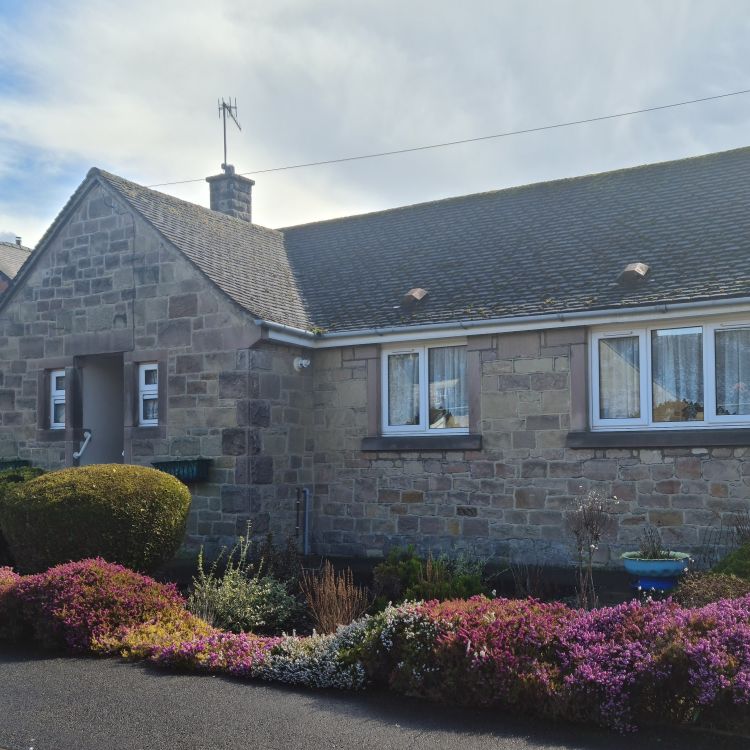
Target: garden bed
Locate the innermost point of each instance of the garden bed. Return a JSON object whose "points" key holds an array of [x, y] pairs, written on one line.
{"points": [[621, 667]]}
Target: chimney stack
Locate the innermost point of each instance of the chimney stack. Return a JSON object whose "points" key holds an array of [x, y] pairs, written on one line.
{"points": [[231, 194], [18, 241]]}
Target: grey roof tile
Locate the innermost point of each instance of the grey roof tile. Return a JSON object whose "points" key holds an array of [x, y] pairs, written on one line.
{"points": [[543, 248], [248, 262]]}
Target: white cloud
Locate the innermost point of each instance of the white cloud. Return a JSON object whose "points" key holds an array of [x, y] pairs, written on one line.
{"points": [[132, 87]]}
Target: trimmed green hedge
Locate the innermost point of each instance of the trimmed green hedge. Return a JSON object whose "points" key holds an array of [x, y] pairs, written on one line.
{"points": [[132, 515], [11, 477]]}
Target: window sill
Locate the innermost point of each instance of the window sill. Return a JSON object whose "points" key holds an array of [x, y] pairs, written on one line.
{"points": [[422, 443], [703, 438]]}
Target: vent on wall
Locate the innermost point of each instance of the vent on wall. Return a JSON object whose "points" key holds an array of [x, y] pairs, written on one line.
{"points": [[633, 272]]}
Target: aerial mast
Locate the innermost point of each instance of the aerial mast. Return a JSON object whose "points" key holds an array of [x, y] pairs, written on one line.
{"points": [[227, 108]]}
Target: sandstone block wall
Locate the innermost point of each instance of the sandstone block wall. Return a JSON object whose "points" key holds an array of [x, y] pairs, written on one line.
{"points": [[509, 499], [108, 283]]}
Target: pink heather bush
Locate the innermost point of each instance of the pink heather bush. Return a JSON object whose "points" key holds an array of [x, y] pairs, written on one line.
{"points": [[91, 604], [482, 651]]}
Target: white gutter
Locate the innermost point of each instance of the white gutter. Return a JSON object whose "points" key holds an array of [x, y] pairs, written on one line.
{"points": [[301, 337]]}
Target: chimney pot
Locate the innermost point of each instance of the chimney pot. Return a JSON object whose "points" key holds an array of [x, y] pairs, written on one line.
{"points": [[231, 193]]}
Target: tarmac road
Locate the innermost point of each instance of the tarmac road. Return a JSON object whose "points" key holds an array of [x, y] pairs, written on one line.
{"points": [[64, 703]]}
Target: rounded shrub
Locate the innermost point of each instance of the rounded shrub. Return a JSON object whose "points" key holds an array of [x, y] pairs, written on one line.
{"points": [[736, 563], [132, 515]]}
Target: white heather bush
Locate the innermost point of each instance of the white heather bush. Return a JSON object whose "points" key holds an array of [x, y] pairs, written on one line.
{"points": [[318, 661]]}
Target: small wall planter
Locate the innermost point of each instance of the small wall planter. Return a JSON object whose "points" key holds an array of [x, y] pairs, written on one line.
{"points": [[188, 470], [656, 575], [16, 463]]}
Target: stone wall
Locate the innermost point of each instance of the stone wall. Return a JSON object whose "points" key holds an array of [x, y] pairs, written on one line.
{"points": [[509, 499], [106, 282]]}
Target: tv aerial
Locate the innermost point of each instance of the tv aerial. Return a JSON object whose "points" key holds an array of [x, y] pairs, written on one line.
{"points": [[227, 108]]}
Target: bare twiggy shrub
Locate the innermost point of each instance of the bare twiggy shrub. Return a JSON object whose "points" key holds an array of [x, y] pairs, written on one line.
{"points": [[741, 527], [333, 598], [528, 579], [650, 546], [589, 522]]}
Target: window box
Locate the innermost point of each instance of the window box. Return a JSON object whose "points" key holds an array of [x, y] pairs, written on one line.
{"points": [[16, 463], [425, 390], [671, 377], [188, 470]]}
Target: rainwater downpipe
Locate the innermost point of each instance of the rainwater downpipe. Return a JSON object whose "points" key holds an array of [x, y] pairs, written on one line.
{"points": [[304, 500], [307, 499]]}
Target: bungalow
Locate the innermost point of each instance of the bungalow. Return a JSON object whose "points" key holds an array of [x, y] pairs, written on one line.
{"points": [[450, 374]]}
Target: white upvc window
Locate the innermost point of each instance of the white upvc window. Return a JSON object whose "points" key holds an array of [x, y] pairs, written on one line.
{"points": [[57, 399], [424, 389], [148, 394], [671, 376]]}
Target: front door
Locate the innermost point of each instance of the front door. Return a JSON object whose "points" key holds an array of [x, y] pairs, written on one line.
{"points": [[102, 396]]}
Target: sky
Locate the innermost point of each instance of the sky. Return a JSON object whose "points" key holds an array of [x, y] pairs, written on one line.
{"points": [[132, 88]]}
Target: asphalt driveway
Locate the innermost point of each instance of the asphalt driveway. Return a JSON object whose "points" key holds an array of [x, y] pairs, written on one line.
{"points": [[62, 703]]}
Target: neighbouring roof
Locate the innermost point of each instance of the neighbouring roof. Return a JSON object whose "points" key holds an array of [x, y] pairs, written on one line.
{"points": [[544, 248], [12, 257]]}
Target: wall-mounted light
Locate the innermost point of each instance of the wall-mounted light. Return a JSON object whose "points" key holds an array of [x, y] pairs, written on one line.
{"points": [[300, 363]]}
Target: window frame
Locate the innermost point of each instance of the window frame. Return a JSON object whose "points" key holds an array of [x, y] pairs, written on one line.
{"points": [[56, 396], [645, 422], [422, 349], [147, 391]]}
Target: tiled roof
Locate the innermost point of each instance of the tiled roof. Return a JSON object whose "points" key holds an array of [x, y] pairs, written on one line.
{"points": [[248, 262], [12, 257], [543, 248]]}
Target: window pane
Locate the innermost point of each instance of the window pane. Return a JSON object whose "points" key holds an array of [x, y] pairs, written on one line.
{"points": [[677, 374], [403, 389], [449, 404], [619, 378], [58, 413], [150, 409], [150, 376], [733, 372], [59, 383]]}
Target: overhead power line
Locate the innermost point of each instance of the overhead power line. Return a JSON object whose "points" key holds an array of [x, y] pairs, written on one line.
{"points": [[476, 139]]}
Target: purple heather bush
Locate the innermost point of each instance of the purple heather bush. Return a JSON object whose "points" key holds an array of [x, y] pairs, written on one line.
{"points": [[618, 666], [236, 654]]}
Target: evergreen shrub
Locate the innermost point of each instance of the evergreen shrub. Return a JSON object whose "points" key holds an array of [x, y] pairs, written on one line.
{"points": [[132, 515]]}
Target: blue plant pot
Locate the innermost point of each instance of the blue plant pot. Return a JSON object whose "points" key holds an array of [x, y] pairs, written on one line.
{"points": [[656, 575]]}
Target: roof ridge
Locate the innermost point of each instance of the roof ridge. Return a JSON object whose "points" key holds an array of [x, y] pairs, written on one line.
{"points": [[517, 188], [112, 179]]}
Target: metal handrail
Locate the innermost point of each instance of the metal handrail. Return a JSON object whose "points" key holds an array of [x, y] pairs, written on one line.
{"points": [[86, 437]]}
